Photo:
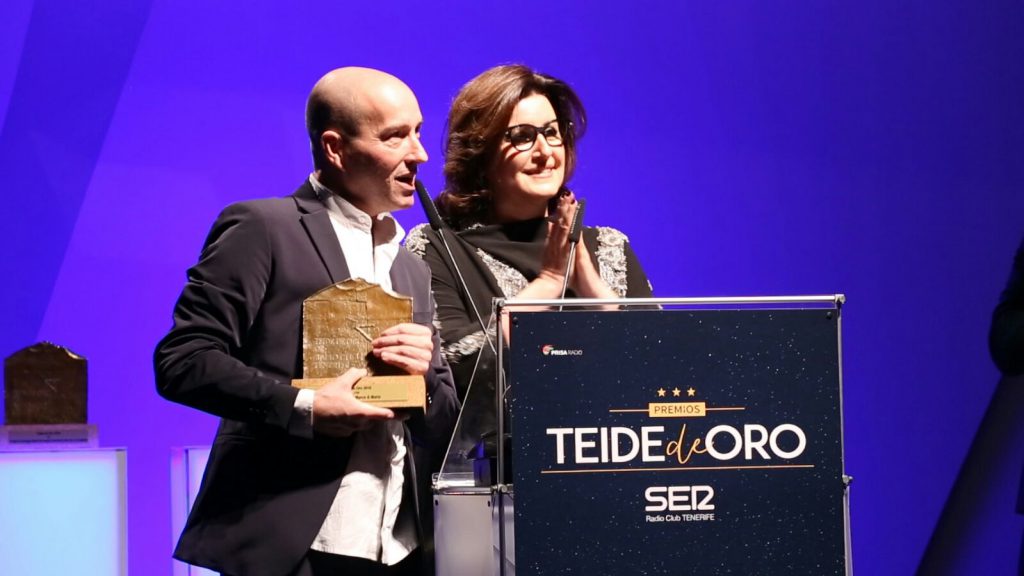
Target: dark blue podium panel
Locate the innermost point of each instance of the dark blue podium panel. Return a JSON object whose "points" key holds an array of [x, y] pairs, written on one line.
{"points": [[677, 442]]}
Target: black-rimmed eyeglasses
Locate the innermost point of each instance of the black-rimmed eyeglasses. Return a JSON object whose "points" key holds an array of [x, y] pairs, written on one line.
{"points": [[524, 136]]}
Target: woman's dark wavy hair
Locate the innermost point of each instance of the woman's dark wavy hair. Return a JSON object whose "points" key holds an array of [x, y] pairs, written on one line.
{"points": [[476, 125]]}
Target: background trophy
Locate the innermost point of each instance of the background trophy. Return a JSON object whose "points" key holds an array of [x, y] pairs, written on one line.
{"points": [[46, 399]]}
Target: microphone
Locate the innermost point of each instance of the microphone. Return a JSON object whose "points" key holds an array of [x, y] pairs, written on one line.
{"points": [[574, 238], [433, 216], [577, 222], [436, 224]]}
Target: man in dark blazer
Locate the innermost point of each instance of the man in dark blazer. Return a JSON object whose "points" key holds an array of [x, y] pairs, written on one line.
{"points": [[1006, 340], [272, 500]]}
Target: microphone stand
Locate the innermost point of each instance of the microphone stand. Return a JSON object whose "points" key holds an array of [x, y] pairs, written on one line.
{"points": [[436, 224], [574, 239]]}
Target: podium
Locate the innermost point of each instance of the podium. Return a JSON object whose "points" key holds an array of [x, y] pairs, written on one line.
{"points": [[663, 436]]}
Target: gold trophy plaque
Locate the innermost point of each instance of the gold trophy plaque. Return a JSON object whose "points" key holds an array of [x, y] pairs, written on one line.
{"points": [[45, 399], [338, 325]]}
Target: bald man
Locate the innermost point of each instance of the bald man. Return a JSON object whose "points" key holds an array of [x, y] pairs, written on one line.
{"points": [[310, 483]]}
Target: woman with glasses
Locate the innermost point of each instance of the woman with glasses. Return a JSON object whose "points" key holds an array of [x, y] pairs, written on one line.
{"points": [[510, 149]]}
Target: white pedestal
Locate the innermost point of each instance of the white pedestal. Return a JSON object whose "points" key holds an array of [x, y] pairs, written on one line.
{"points": [[63, 512], [187, 466]]}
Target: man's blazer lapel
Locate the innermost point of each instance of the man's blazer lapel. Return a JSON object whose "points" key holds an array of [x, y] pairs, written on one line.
{"points": [[401, 275], [317, 223]]}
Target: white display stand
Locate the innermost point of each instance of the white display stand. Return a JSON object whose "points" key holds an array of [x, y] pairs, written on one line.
{"points": [[63, 512], [187, 466]]}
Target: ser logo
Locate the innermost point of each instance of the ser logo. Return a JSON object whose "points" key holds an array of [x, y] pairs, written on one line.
{"points": [[679, 498], [550, 350]]}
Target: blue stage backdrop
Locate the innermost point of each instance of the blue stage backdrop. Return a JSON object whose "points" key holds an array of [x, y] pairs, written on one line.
{"points": [[747, 148]]}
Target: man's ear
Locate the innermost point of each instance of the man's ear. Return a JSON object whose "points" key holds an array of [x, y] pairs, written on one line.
{"points": [[331, 144]]}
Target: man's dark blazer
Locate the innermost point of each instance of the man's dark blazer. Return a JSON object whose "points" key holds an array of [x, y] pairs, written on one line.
{"points": [[235, 345]]}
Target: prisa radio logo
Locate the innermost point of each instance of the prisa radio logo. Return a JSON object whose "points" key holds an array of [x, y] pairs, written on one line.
{"points": [[550, 350]]}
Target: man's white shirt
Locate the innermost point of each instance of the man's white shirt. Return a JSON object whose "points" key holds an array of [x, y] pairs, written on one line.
{"points": [[366, 519]]}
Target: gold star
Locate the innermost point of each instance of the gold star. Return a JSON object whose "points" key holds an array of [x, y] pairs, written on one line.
{"points": [[690, 391], [661, 392], [676, 391]]}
